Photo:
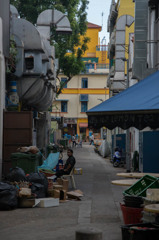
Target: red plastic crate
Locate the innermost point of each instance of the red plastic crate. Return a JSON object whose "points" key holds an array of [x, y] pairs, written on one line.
{"points": [[131, 215]]}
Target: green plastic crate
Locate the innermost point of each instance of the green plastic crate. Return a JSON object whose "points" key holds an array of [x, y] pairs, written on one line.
{"points": [[52, 149], [140, 187], [64, 142], [28, 162]]}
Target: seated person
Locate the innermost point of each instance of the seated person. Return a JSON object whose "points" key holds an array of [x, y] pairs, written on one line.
{"points": [[68, 165]]}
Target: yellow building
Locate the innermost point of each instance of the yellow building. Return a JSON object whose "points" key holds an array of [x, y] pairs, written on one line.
{"points": [[85, 90]]}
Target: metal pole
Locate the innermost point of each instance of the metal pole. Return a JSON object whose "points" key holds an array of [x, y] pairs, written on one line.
{"points": [[127, 131], [2, 95], [128, 150], [114, 139]]}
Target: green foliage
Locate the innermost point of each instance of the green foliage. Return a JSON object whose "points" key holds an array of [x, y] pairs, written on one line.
{"points": [[11, 65], [70, 65], [30, 9]]}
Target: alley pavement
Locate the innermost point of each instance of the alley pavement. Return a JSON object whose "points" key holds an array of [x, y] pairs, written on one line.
{"points": [[99, 207]]}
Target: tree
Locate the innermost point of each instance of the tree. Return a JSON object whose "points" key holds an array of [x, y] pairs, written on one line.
{"points": [[69, 48]]}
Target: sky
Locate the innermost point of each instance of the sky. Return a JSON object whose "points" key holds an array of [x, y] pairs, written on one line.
{"points": [[95, 10]]}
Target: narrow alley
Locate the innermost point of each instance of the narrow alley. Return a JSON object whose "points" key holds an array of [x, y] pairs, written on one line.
{"points": [[99, 208]]}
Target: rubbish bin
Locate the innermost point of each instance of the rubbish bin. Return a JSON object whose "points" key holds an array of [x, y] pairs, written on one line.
{"points": [[27, 161]]}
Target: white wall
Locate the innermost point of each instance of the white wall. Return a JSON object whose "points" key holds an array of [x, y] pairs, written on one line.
{"points": [[74, 104], [94, 81]]}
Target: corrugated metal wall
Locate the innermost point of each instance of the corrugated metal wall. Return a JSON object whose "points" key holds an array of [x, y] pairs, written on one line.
{"points": [[140, 48]]}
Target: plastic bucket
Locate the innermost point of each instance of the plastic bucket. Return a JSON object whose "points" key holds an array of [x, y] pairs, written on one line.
{"points": [[131, 215]]}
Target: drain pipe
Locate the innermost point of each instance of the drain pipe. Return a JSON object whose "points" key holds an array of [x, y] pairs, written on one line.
{"points": [[2, 95]]}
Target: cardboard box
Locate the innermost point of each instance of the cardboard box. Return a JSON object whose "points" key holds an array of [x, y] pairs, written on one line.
{"points": [[56, 193], [50, 184], [26, 202], [60, 181], [55, 183], [77, 171], [58, 187], [77, 194], [50, 192], [25, 192], [65, 184], [63, 195]]}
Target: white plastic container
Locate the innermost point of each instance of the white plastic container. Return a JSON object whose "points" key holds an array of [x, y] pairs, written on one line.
{"points": [[47, 202], [152, 194]]}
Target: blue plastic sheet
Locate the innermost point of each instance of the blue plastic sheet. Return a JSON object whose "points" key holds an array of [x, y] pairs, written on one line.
{"points": [[50, 162]]}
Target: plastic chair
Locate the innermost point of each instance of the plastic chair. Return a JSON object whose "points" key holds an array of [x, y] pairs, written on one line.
{"points": [[72, 178]]}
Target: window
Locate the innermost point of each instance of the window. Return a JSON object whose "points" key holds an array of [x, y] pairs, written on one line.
{"points": [[63, 106], [29, 63], [83, 106], [63, 80], [84, 97], [84, 82]]}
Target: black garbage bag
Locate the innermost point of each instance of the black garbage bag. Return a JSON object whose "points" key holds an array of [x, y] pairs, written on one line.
{"points": [[39, 190], [39, 184], [38, 178], [8, 196], [16, 175]]}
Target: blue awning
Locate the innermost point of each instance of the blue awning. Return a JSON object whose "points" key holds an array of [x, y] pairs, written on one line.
{"points": [[137, 106]]}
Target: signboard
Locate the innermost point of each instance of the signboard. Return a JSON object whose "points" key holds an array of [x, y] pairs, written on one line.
{"points": [[125, 121], [70, 120]]}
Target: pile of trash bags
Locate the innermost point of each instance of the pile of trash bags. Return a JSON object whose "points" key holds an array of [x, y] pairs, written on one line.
{"points": [[9, 189]]}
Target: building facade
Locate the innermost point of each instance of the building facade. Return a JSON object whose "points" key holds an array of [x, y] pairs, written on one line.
{"points": [[121, 29], [140, 43], [86, 90]]}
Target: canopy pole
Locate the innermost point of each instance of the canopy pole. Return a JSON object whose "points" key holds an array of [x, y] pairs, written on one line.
{"points": [[114, 139], [128, 167]]}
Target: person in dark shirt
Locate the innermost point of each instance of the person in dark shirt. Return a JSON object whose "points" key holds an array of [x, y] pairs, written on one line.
{"points": [[68, 165]]}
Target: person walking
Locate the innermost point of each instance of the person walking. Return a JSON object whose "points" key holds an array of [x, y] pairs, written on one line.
{"points": [[73, 141], [92, 139]]}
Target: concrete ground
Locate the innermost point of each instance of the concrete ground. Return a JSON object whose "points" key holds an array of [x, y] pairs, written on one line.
{"points": [[99, 208]]}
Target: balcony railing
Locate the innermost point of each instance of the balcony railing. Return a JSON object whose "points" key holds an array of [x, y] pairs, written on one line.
{"points": [[97, 66], [102, 48], [102, 66]]}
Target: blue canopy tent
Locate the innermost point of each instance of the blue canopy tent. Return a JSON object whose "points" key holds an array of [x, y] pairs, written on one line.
{"points": [[137, 106]]}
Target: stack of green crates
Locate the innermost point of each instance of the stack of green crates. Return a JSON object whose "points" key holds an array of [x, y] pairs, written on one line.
{"points": [[27, 161], [140, 187]]}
